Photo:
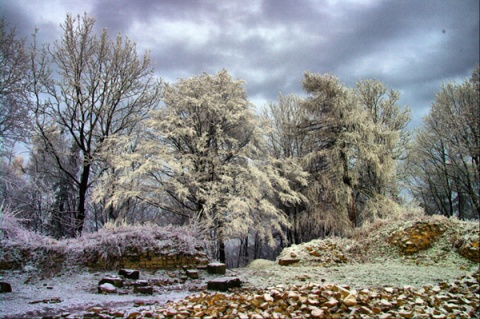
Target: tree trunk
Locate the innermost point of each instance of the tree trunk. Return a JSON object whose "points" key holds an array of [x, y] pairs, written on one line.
{"points": [[82, 198], [246, 257], [221, 251], [221, 243], [352, 212]]}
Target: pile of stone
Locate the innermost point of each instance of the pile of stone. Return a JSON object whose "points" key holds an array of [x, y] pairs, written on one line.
{"points": [[325, 253], [457, 299]]}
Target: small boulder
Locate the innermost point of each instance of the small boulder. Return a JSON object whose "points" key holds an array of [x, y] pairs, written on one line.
{"points": [[216, 268], [224, 283], [114, 280], [107, 288], [5, 287], [129, 273]]}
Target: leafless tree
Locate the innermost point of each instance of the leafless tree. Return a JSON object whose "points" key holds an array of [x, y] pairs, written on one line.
{"points": [[89, 88], [14, 88], [445, 162]]}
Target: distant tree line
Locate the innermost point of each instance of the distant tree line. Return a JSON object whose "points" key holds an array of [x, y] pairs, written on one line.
{"points": [[108, 141]]}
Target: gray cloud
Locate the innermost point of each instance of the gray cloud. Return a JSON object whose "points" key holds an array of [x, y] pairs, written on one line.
{"points": [[410, 45]]}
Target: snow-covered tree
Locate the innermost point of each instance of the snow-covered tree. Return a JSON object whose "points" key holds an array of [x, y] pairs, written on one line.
{"points": [[203, 157]]}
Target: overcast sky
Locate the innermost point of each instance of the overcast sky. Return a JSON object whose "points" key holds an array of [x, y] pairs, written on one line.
{"points": [[410, 45]]}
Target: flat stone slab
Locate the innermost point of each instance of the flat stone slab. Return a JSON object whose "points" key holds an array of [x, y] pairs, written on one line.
{"points": [[224, 283]]}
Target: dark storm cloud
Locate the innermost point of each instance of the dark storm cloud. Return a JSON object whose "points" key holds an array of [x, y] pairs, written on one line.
{"points": [[412, 46]]}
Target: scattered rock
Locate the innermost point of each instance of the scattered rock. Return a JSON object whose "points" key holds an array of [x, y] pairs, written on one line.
{"points": [[216, 268], [140, 283], [458, 299], [224, 283], [5, 287]]}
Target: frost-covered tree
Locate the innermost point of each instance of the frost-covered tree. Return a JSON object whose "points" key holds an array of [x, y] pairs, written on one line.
{"points": [[88, 88], [288, 142], [445, 162], [385, 140], [331, 116], [357, 135], [202, 157]]}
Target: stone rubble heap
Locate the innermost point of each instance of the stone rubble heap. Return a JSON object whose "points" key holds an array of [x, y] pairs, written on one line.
{"points": [[458, 299]]}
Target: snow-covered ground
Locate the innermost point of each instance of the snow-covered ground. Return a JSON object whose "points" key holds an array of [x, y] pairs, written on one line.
{"points": [[77, 291]]}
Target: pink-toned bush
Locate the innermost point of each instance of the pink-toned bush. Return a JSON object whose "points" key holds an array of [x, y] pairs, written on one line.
{"points": [[20, 246]]}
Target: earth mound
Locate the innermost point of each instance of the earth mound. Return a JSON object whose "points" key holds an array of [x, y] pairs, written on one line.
{"points": [[428, 240]]}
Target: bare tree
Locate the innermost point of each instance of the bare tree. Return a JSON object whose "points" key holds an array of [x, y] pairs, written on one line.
{"points": [[445, 162], [89, 88], [14, 87]]}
